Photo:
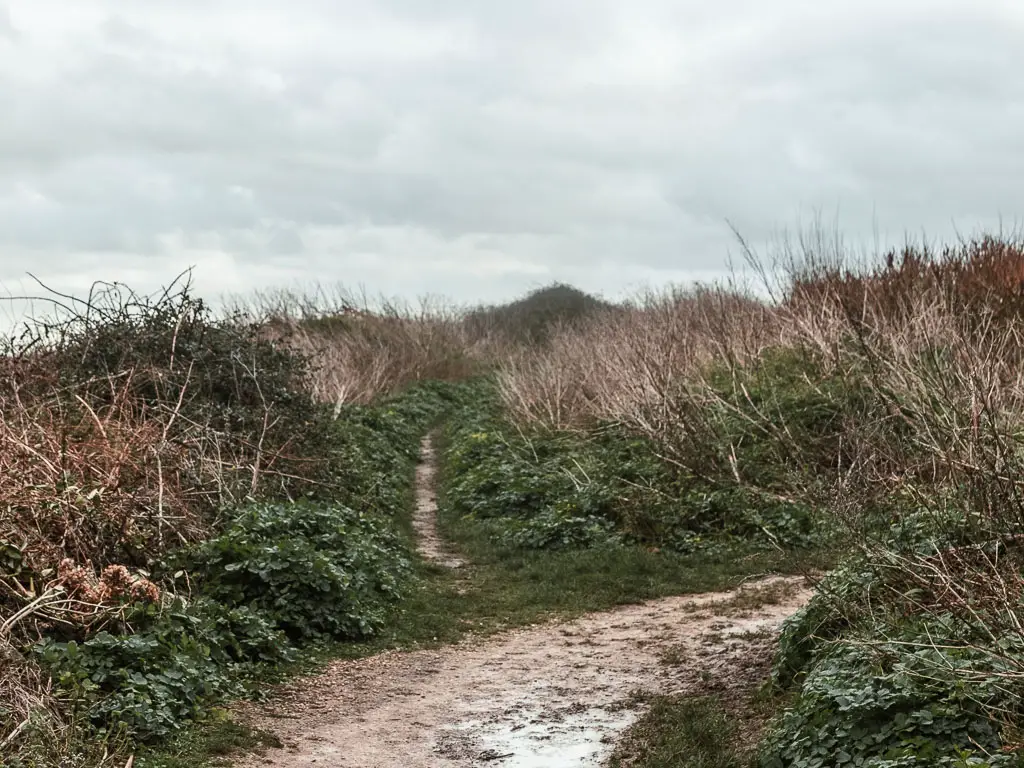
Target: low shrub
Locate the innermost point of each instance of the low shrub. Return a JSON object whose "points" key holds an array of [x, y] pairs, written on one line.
{"points": [[547, 489], [776, 421], [559, 528], [874, 680], [837, 602], [178, 662], [130, 421], [896, 703], [313, 569]]}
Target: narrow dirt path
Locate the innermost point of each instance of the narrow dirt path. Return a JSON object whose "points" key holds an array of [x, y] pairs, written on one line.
{"points": [[546, 696], [424, 520]]}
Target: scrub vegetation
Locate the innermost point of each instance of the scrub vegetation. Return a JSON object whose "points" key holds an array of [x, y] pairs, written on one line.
{"points": [[197, 503]]}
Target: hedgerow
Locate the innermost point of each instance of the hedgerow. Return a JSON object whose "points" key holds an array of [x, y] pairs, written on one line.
{"points": [[540, 488]]}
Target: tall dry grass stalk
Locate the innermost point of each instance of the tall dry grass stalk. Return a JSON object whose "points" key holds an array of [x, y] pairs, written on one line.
{"points": [[363, 349], [631, 366], [36, 726]]}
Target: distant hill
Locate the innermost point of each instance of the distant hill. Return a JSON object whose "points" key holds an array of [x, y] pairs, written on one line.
{"points": [[530, 320]]}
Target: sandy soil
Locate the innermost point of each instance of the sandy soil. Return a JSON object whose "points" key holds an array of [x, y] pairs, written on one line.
{"points": [[552, 695]]}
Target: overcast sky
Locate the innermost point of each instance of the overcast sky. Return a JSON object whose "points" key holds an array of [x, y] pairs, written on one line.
{"points": [[476, 149]]}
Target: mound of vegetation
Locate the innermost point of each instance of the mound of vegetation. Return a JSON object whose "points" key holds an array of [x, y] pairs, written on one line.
{"points": [[910, 654], [311, 569], [875, 680], [531, 319], [130, 422], [181, 518], [540, 488]]}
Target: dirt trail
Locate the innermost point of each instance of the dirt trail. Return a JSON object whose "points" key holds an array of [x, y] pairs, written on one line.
{"points": [[424, 520], [546, 696]]}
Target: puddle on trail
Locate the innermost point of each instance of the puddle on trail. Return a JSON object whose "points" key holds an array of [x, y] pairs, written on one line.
{"points": [[531, 736]]}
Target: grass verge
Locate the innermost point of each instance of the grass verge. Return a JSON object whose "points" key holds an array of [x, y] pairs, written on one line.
{"points": [[685, 732], [719, 718], [516, 590]]}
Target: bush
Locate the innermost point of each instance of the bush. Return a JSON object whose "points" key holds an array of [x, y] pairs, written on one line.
{"points": [[313, 569], [705, 512], [543, 489], [178, 662], [777, 422], [838, 600], [536, 491], [131, 421], [559, 528], [896, 704], [871, 685]]}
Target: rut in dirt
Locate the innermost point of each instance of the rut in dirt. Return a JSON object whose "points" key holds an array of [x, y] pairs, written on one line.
{"points": [[553, 695]]}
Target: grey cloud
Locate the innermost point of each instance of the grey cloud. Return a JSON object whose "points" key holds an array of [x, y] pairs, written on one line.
{"points": [[592, 140], [7, 29]]}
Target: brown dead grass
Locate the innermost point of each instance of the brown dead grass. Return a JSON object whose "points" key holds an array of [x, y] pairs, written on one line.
{"points": [[90, 481], [364, 349]]}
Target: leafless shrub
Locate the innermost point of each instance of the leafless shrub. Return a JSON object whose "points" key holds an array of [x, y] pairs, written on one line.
{"points": [[127, 422], [643, 366], [365, 349]]}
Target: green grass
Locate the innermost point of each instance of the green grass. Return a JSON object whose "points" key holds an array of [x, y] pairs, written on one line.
{"points": [[502, 588], [685, 732], [531, 587]]}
